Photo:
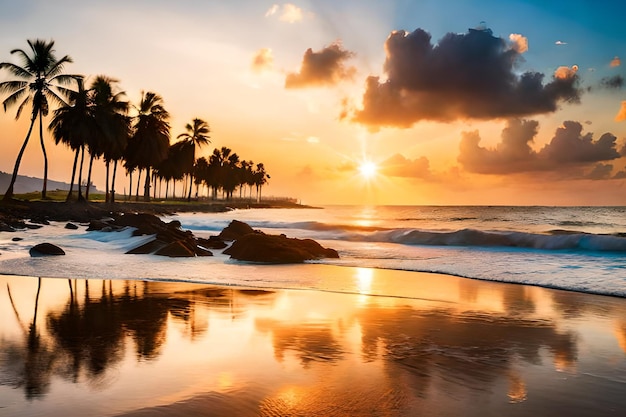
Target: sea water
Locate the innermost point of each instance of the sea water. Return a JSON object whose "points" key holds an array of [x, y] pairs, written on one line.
{"points": [[574, 248]]}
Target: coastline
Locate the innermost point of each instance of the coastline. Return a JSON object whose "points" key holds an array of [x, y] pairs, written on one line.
{"points": [[433, 344]]}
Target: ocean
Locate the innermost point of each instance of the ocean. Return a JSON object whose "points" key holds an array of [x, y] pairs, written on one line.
{"points": [[573, 248]]}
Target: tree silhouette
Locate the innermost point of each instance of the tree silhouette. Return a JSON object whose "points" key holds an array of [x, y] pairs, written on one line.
{"points": [[71, 125], [151, 139], [197, 134], [39, 80]]}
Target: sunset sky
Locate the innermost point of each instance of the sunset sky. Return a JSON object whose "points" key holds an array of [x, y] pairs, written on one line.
{"points": [[363, 102]]}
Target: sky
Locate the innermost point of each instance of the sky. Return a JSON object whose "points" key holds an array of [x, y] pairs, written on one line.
{"points": [[462, 102]]}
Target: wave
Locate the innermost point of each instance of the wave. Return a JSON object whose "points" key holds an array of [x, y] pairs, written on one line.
{"points": [[472, 237]]}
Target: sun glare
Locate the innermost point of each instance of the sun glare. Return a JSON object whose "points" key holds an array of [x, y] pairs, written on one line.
{"points": [[368, 169]]}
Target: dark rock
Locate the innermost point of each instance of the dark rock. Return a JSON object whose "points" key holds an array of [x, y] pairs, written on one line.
{"points": [[71, 226], [176, 250], [17, 239], [200, 251], [33, 226], [98, 225], [258, 247], [235, 230], [213, 242], [45, 249], [146, 248]]}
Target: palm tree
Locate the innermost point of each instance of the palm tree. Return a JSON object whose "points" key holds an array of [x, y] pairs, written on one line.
{"points": [[151, 138], [71, 125], [260, 179], [197, 134], [113, 126], [39, 80]]}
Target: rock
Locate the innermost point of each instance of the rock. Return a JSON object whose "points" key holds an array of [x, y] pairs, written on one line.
{"points": [[46, 249], [200, 251], [17, 239], [98, 225], [213, 242], [235, 230], [176, 250], [146, 248], [33, 226], [71, 226], [258, 247]]}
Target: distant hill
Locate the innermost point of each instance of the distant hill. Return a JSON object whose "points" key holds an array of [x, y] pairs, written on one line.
{"points": [[25, 184]]}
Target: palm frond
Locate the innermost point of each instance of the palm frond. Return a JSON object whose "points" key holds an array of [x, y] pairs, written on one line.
{"points": [[16, 70], [26, 101], [13, 98], [27, 62], [55, 68], [12, 86]]}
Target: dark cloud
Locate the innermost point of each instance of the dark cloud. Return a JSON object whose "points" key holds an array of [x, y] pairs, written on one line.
{"points": [[600, 172], [322, 68], [399, 166], [615, 82], [569, 145], [514, 154], [620, 175], [464, 76]]}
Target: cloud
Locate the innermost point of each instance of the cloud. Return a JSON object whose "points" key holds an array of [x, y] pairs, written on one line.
{"points": [[322, 68], [512, 154], [464, 76], [519, 42], [263, 60], [621, 114], [568, 147], [399, 166], [564, 73], [616, 62], [600, 172], [615, 82], [560, 43], [287, 12]]}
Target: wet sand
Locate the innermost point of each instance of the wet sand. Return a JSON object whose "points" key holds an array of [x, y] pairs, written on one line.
{"points": [[434, 345]]}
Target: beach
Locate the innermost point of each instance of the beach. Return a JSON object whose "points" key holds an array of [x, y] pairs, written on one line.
{"points": [[442, 346]]}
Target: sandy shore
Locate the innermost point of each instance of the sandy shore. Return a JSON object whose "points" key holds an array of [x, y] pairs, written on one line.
{"points": [[439, 345]]}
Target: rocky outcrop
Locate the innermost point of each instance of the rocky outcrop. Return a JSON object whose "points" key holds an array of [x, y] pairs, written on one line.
{"points": [[46, 249], [277, 249], [235, 230]]}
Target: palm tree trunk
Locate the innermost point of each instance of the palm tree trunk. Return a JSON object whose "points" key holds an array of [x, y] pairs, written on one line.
{"points": [[138, 182], [69, 195], [80, 173], [112, 197], [45, 158], [146, 186], [130, 185], [190, 186], [9, 192], [106, 183], [89, 176]]}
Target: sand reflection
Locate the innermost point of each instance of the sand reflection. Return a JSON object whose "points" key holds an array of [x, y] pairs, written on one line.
{"points": [[448, 347]]}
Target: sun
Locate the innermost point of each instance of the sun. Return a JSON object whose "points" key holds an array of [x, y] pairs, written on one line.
{"points": [[368, 169]]}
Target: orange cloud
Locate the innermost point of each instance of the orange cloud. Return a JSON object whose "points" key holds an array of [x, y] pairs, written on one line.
{"points": [[616, 62], [325, 67], [621, 114], [399, 166], [565, 73], [263, 60], [519, 42]]}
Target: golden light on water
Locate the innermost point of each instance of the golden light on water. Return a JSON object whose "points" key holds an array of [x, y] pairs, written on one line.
{"points": [[364, 277]]}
